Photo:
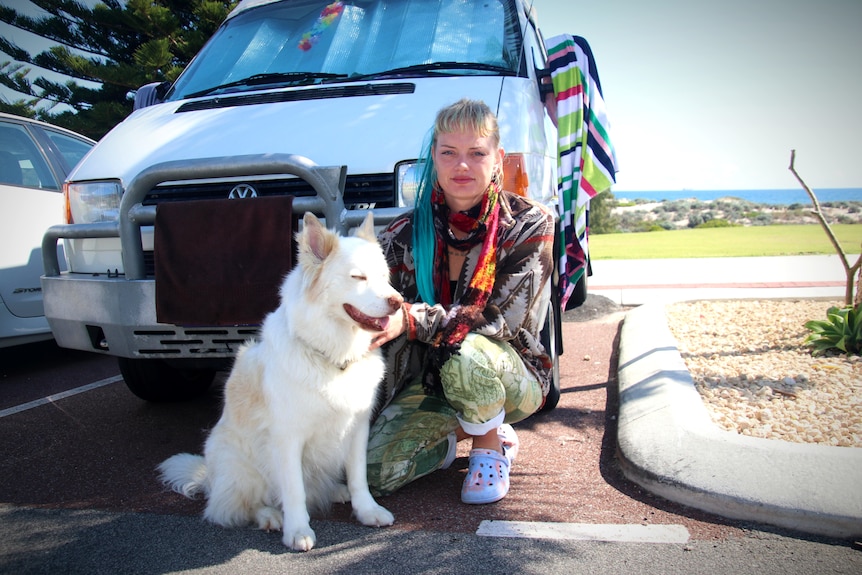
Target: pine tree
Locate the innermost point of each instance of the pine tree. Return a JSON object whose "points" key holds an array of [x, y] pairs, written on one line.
{"points": [[120, 46]]}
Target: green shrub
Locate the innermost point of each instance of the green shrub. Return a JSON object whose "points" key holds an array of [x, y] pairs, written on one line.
{"points": [[639, 226], [715, 223], [841, 330]]}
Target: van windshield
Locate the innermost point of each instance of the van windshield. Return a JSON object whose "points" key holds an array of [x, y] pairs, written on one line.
{"points": [[302, 42]]}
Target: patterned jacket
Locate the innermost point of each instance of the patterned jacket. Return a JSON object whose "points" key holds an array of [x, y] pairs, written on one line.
{"points": [[518, 305]]}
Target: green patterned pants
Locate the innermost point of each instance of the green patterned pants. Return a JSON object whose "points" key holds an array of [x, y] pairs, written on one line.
{"points": [[487, 384]]}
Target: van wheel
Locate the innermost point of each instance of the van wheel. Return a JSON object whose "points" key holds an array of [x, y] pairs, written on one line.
{"points": [[550, 341], [158, 381]]}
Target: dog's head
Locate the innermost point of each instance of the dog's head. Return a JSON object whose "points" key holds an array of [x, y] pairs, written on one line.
{"points": [[348, 275]]}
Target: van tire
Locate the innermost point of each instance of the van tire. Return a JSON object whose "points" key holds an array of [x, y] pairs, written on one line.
{"points": [[158, 381], [579, 293], [550, 338]]}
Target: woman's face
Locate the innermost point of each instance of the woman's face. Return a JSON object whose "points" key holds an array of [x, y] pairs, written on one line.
{"points": [[465, 162]]}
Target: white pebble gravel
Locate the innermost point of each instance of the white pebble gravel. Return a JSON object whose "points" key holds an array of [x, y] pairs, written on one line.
{"points": [[756, 378]]}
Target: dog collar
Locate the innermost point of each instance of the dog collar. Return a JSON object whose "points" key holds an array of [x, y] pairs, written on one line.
{"points": [[340, 365]]}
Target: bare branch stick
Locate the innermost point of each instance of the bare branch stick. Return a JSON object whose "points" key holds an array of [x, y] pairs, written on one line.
{"points": [[818, 212]]}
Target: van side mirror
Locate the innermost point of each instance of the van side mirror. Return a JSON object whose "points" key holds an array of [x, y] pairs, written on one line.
{"points": [[546, 93], [150, 94], [546, 85]]}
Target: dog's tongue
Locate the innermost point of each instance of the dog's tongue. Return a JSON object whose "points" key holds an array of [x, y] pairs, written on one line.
{"points": [[366, 321]]}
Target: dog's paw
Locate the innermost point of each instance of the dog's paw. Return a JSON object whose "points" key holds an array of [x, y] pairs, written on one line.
{"points": [[268, 519], [375, 516], [302, 539]]}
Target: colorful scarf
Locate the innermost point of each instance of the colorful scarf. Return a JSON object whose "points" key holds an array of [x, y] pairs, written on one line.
{"points": [[480, 224]]}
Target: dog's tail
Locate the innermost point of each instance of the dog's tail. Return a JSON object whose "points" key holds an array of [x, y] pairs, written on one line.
{"points": [[185, 473]]}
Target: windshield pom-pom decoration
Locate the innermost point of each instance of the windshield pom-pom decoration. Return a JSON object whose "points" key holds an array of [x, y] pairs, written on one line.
{"points": [[326, 18]]}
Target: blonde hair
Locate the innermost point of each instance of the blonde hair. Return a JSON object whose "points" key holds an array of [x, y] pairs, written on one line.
{"points": [[468, 116]]}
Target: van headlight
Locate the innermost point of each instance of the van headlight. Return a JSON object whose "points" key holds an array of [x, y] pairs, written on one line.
{"points": [[91, 202], [407, 183]]}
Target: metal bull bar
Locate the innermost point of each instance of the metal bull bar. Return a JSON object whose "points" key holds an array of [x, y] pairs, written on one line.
{"points": [[328, 183]]}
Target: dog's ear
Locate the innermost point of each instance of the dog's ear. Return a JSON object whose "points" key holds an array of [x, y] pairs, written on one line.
{"points": [[366, 231], [315, 241]]}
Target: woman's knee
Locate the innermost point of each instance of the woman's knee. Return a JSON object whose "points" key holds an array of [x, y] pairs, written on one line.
{"points": [[471, 383], [391, 470], [488, 376]]}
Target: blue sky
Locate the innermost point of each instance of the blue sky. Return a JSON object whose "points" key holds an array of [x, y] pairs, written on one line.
{"points": [[714, 95]]}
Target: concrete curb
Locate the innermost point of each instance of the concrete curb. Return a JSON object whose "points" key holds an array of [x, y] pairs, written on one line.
{"points": [[669, 446]]}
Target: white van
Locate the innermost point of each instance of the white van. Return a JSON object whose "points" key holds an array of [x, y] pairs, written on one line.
{"points": [[327, 102]]}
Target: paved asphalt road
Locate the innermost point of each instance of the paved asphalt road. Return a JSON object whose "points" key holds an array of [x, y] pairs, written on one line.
{"points": [[52, 541]]}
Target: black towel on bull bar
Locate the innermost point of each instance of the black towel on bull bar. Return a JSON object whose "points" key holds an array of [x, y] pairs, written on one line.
{"points": [[221, 262]]}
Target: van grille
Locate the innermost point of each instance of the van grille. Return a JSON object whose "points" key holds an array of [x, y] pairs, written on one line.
{"points": [[360, 192]]}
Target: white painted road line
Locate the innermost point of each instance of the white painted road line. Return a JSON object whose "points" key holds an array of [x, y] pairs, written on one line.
{"points": [[59, 396], [585, 531]]}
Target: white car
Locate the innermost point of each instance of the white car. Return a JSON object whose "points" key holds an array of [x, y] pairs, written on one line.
{"points": [[35, 158]]}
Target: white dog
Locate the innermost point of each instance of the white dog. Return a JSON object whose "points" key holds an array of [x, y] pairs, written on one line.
{"points": [[298, 402]]}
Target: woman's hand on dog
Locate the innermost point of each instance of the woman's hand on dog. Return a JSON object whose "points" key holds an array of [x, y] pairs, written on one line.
{"points": [[395, 327]]}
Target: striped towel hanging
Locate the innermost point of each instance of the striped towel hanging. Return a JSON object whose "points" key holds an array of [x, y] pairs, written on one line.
{"points": [[586, 163]]}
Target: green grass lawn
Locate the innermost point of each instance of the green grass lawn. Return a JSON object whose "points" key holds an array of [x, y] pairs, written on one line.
{"points": [[773, 240]]}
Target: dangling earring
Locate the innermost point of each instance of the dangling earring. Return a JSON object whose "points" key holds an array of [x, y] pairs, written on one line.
{"points": [[497, 175]]}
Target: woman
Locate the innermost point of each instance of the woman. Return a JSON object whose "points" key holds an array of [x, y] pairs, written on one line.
{"points": [[473, 263]]}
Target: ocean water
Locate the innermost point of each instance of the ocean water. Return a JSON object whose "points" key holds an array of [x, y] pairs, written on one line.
{"points": [[774, 197]]}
